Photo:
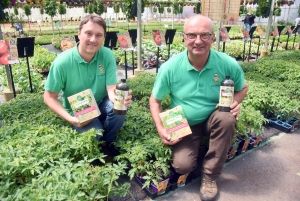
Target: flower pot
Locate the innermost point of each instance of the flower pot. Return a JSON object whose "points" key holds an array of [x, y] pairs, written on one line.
{"points": [[153, 191]]}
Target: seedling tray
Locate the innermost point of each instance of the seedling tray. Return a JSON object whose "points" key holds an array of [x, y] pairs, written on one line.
{"points": [[282, 126], [149, 191]]}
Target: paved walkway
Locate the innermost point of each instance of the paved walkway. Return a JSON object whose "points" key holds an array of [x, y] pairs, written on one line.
{"points": [[270, 172]]}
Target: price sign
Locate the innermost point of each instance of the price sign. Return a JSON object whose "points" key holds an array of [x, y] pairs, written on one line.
{"points": [[221, 10]]}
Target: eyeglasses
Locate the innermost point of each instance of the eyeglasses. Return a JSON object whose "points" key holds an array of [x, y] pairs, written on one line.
{"points": [[203, 36]]}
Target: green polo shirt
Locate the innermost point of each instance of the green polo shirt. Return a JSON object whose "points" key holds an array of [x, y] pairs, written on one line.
{"points": [[70, 74], [196, 91]]}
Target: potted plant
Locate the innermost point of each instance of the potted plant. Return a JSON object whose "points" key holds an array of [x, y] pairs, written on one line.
{"points": [[42, 59]]}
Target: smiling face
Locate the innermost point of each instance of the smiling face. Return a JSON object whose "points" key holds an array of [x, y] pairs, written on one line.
{"points": [[91, 36], [198, 48]]}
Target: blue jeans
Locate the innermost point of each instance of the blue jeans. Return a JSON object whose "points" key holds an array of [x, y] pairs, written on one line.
{"points": [[108, 121], [247, 26]]}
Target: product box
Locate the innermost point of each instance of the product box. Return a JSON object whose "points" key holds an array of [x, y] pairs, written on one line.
{"points": [[84, 106], [175, 123]]}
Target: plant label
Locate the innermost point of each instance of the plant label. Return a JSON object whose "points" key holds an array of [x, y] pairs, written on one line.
{"points": [[162, 186], [182, 180]]}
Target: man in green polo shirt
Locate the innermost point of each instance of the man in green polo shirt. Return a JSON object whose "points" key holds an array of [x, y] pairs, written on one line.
{"points": [[192, 79], [88, 65]]}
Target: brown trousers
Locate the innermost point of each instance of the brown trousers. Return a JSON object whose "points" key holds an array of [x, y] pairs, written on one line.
{"points": [[221, 127]]}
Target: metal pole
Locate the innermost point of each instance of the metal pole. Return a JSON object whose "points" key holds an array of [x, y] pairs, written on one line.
{"points": [[218, 36], [139, 37], [173, 16], [269, 26]]}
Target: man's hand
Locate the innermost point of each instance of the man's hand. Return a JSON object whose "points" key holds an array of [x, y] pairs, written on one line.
{"points": [[75, 122], [165, 138], [235, 109], [127, 101]]}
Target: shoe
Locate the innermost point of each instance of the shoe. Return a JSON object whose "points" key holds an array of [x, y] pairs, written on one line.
{"points": [[208, 190]]}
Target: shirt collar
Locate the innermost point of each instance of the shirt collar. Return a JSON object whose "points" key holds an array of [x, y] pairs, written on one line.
{"points": [[209, 64], [78, 58]]}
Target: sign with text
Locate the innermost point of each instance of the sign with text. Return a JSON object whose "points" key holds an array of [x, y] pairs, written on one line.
{"points": [[67, 42], [275, 32], [224, 35], [58, 24], [8, 52], [159, 38], [125, 41], [246, 35], [261, 32], [221, 10]]}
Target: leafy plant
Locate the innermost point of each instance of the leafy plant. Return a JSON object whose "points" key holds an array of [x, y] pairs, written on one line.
{"points": [[43, 156], [50, 8], [42, 59]]}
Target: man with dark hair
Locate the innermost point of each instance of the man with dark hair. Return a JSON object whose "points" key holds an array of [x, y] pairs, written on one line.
{"points": [[88, 65]]}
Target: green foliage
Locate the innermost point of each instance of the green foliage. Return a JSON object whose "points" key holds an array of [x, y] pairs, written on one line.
{"points": [[263, 8], [139, 83], [42, 10], [21, 79], [50, 7], [6, 3], [16, 12], [277, 11], [99, 7], [41, 155], [62, 9], [90, 9], [117, 8], [273, 82], [161, 9], [42, 59], [198, 8], [27, 10], [140, 146]]}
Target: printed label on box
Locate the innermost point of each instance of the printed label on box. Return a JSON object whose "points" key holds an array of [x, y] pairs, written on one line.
{"points": [[175, 123], [84, 106]]}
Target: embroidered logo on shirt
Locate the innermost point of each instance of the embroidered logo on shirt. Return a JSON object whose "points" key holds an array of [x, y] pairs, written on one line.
{"points": [[216, 78], [101, 68]]}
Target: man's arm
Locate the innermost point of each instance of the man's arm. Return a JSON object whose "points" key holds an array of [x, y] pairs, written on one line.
{"points": [[240, 95], [155, 109], [111, 92], [238, 98]]}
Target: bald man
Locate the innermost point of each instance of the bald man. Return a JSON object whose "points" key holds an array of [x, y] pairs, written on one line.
{"points": [[192, 79]]}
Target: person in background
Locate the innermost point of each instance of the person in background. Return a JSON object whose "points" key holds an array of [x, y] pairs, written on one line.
{"points": [[88, 65], [192, 79], [248, 21]]}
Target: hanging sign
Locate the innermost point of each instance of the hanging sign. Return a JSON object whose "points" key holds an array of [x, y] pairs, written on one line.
{"points": [[221, 10], [125, 41], [224, 35], [67, 42], [8, 52], [289, 30], [246, 35], [58, 24], [261, 32], [275, 32], [159, 38]]}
